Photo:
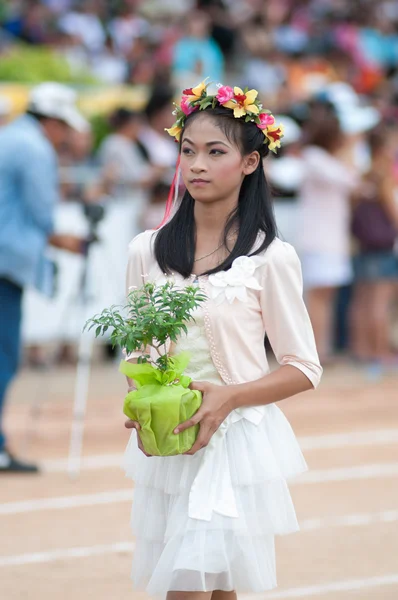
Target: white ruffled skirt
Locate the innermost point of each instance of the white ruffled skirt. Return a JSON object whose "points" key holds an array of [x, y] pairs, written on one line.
{"points": [[176, 552]]}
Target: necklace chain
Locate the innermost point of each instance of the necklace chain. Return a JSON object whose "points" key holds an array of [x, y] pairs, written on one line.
{"points": [[214, 251]]}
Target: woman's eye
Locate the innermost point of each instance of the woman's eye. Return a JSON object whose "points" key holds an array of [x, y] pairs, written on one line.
{"points": [[186, 151], [216, 152]]}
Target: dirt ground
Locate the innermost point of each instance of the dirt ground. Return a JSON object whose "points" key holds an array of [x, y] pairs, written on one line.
{"points": [[64, 539]]}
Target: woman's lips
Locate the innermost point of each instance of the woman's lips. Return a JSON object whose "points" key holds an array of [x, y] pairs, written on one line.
{"points": [[200, 182]]}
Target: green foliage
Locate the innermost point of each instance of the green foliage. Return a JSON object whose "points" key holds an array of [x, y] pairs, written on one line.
{"points": [[100, 128], [154, 314], [34, 64]]}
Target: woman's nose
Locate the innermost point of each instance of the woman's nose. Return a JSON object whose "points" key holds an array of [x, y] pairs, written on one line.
{"points": [[198, 165]]}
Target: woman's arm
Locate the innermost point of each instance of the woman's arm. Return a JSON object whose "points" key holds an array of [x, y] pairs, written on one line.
{"points": [[289, 330], [220, 400], [283, 383]]}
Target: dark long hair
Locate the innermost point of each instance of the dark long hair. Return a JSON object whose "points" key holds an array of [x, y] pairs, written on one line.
{"points": [[175, 242]]}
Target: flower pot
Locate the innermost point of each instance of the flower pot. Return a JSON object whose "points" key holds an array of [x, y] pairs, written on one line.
{"points": [[159, 409], [161, 402]]}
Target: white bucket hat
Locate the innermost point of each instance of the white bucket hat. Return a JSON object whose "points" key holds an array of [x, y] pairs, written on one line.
{"points": [[354, 116], [57, 101]]}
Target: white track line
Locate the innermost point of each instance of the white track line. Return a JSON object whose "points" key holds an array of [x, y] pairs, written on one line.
{"points": [[376, 471], [63, 502], [355, 520], [128, 547], [65, 553], [349, 585], [317, 442], [377, 437]]}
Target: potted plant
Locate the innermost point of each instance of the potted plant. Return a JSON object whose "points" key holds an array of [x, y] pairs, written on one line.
{"points": [[153, 316]]}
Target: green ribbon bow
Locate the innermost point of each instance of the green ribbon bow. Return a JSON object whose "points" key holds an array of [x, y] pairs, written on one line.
{"points": [[160, 403]]}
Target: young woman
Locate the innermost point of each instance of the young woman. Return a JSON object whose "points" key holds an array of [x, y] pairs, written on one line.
{"points": [[323, 232], [375, 227], [205, 522]]}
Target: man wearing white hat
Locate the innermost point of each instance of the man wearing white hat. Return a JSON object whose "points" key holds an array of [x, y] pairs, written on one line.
{"points": [[29, 193]]}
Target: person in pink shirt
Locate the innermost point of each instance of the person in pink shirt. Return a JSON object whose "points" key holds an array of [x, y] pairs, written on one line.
{"points": [[205, 521]]}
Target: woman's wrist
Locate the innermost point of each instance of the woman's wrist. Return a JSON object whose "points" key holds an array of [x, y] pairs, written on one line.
{"points": [[237, 396]]}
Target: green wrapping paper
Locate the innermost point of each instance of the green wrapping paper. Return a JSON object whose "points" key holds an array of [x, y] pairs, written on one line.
{"points": [[160, 403]]}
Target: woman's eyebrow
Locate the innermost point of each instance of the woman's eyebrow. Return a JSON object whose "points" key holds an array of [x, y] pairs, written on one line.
{"points": [[207, 144]]}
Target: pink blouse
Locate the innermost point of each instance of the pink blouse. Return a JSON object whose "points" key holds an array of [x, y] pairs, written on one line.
{"points": [[259, 295]]}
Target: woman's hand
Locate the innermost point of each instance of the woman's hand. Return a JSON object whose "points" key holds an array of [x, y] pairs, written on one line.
{"points": [[135, 425], [217, 404]]}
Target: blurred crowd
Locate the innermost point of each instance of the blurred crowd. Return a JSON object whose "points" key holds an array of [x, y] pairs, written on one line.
{"points": [[285, 48], [327, 68]]}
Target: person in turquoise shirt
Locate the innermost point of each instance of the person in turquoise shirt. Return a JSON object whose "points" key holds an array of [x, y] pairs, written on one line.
{"points": [[28, 196], [197, 52]]}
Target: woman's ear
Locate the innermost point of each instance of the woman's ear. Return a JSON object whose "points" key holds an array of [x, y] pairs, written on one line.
{"points": [[250, 163]]}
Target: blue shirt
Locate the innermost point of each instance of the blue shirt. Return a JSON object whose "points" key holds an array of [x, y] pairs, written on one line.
{"points": [[28, 196], [189, 52]]}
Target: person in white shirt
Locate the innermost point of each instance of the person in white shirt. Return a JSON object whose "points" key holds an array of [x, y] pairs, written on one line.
{"points": [[323, 232]]}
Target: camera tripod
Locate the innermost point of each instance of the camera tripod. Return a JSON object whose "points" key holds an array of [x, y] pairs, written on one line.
{"points": [[94, 214]]}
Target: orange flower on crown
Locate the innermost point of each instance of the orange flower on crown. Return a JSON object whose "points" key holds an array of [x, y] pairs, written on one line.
{"points": [[243, 103]]}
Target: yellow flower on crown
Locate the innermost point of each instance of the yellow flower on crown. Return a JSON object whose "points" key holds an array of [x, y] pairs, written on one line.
{"points": [[243, 103], [175, 132], [274, 133], [195, 93]]}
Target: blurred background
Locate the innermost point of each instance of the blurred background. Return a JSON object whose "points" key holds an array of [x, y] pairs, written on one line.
{"points": [[328, 69]]}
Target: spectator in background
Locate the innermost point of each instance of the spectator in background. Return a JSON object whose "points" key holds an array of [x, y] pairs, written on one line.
{"points": [[125, 162], [108, 65], [161, 149], [85, 23], [126, 27], [142, 68], [284, 172], [375, 227], [28, 195], [35, 24], [197, 55], [223, 29], [323, 233]]}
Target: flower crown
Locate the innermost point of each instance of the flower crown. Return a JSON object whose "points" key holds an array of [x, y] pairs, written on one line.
{"points": [[244, 104]]}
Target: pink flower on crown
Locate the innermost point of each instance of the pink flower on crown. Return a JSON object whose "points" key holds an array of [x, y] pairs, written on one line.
{"points": [[186, 105], [225, 94], [265, 120]]}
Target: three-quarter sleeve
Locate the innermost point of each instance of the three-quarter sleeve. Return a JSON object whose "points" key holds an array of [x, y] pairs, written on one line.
{"points": [[284, 313]]}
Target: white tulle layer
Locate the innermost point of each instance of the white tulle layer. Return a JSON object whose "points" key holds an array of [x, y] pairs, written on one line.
{"points": [[175, 552]]}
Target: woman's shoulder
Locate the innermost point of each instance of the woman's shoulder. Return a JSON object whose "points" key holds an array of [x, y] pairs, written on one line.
{"points": [[142, 246], [279, 255], [142, 243]]}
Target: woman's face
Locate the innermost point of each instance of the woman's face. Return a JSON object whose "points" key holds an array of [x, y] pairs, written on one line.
{"points": [[212, 167]]}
